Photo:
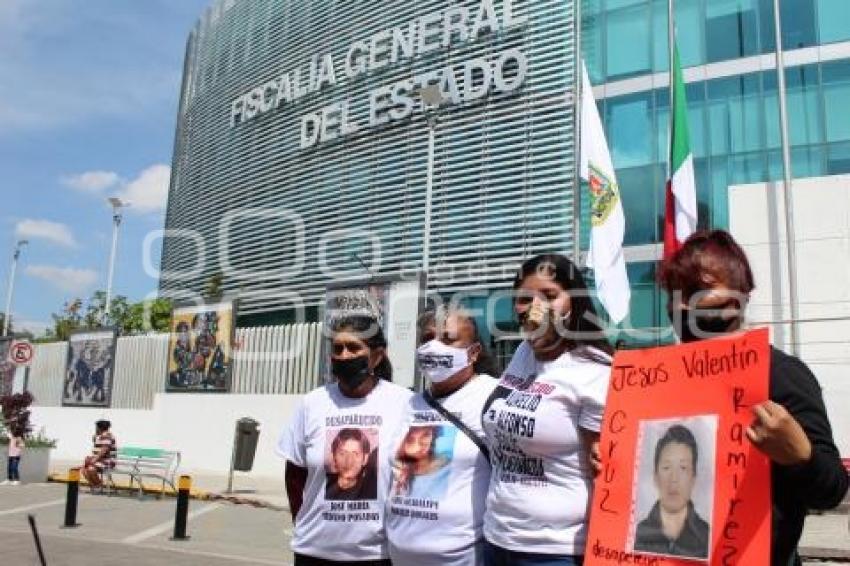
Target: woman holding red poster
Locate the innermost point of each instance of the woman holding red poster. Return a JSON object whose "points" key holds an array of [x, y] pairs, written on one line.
{"points": [[709, 282]]}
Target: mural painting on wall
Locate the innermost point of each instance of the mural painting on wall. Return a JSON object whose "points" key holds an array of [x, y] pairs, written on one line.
{"points": [[200, 354], [90, 368]]}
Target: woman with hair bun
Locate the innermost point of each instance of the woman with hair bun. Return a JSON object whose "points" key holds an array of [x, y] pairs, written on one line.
{"points": [[441, 466], [336, 481]]}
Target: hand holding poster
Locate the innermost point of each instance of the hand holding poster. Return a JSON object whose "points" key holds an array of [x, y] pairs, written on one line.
{"points": [[680, 481]]}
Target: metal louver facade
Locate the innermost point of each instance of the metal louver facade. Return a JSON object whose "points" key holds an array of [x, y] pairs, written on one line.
{"points": [[279, 222]]}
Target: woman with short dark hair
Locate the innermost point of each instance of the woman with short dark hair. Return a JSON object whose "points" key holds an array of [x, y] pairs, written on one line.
{"points": [[709, 282]]}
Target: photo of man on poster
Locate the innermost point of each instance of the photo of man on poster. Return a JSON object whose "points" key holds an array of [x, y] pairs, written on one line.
{"points": [[676, 524]]}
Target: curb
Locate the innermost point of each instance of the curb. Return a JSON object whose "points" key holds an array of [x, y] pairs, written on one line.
{"points": [[253, 502], [817, 553], [197, 494]]}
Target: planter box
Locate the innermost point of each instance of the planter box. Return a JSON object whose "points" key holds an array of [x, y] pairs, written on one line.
{"points": [[35, 464]]}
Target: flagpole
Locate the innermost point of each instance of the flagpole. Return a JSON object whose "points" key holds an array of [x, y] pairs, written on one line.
{"points": [[577, 133], [671, 43], [786, 168]]}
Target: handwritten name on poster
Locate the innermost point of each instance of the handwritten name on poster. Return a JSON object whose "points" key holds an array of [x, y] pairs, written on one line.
{"points": [[680, 483]]}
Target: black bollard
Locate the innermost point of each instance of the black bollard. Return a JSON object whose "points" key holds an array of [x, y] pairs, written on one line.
{"points": [[71, 500], [184, 486]]}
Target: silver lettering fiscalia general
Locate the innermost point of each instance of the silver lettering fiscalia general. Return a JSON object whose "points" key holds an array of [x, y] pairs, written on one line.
{"points": [[467, 81]]}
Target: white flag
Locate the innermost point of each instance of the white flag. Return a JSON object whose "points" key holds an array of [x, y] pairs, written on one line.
{"points": [[608, 224]]}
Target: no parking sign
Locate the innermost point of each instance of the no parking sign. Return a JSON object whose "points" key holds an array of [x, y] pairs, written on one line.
{"points": [[21, 352]]}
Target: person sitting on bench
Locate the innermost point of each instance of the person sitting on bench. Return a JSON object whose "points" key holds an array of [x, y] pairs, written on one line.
{"points": [[103, 454]]}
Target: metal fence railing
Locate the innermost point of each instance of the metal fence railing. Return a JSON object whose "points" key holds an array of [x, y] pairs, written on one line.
{"points": [[266, 360]]}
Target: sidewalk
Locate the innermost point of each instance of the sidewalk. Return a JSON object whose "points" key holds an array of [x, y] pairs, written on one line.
{"points": [[247, 488], [826, 536]]}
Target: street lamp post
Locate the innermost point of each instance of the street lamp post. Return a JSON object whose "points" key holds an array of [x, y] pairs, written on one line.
{"points": [[7, 316], [117, 204], [431, 97], [787, 176]]}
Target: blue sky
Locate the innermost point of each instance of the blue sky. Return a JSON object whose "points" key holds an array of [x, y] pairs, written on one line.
{"points": [[88, 104]]}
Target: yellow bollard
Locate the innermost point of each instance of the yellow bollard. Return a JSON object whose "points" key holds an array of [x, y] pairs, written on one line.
{"points": [[184, 486]]}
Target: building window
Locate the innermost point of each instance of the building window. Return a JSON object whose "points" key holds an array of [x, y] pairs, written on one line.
{"points": [[630, 132], [798, 24], [731, 29], [690, 31], [628, 41], [641, 189], [836, 93], [833, 20]]}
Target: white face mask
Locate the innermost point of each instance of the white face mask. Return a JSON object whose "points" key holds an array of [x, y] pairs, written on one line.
{"points": [[439, 362]]}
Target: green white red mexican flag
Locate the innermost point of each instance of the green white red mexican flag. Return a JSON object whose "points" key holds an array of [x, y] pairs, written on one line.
{"points": [[680, 213]]}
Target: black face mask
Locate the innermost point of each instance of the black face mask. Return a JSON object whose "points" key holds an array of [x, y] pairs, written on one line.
{"points": [[700, 324], [352, 372]]}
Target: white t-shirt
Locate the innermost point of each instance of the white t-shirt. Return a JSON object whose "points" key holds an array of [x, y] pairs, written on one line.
{"points": [[343, 442], [541, 482], [435, 517]]}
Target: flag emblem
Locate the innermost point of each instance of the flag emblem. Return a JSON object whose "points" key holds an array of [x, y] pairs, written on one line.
{"points": [[604, 195]]}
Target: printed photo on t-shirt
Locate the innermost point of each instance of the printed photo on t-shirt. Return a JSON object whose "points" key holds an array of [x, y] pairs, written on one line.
{"points": [[351, 464], [423, 462], [673, 495]]}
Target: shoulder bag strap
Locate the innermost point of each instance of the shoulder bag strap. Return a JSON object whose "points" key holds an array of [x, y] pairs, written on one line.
{"points": [[458, 423]]}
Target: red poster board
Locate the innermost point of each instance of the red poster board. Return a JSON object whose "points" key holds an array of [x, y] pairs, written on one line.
{"points": [[707, 388]]}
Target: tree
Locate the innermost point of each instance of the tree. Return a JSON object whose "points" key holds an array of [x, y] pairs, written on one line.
{"points": [[129, 318], [214, 283], [16, 413], [95, 310], [25, 335], [148, 316], [3, 321], [67, 321]]}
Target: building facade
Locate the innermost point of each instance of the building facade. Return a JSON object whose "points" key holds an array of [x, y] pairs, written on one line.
{"points": [[262, 196], [728, 54], [302, 143]]}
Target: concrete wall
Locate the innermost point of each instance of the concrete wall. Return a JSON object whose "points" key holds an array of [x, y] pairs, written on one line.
{"points": [[822, 237], [200, 426]]}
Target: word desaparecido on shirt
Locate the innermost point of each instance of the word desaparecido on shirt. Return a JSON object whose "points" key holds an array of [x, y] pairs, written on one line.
{"points": [[342, 442]]}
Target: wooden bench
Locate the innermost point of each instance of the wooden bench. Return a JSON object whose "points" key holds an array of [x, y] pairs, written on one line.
{"points": [[138, 463]]}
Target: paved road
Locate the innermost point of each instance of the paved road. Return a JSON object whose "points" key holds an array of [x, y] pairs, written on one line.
{"points": [[122, 530]]}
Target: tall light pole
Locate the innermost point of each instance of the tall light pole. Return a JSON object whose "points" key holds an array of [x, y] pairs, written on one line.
{"points": [[7, 315], [431, 97], [117, 204]]}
